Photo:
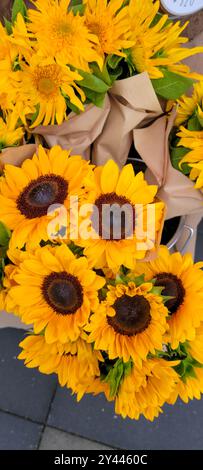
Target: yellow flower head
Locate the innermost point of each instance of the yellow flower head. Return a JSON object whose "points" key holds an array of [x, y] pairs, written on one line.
{"points": [[56, 291], [158, 46], [182, 280], [110, 23], [130, 323], [61, 34], [10, 133], [144, 391], [196, 174], [111, 242], [187, 105], [75, 363], [45, 85], [191, 387], [21, 39], [6, 303], [26, 193], [196, 346], [192, 140], [8, 55]]}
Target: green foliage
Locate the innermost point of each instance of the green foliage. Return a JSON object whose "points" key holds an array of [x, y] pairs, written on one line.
{"points": [[200, 120], [94, 86], [172, 85], [186, 367], [18, 7], [5, 235], [8, 26], [177, 153], [116, 375], [92, 82], [194, 123]]}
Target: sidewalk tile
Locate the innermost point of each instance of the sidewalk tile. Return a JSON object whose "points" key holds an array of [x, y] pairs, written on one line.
{"points": [[180, 427], [54, 439], [17, 433], [199, 246], [23, 391]]}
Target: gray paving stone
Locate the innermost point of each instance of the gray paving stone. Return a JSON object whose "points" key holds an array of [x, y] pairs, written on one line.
{"points": [[24, 392], [180, 427], [200, 227], [17, 433], [199, 246], [54, 439]]}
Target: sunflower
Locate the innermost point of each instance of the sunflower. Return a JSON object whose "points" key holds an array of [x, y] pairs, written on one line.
{"points": [[26, 193], [10, 133], [188, 105], [130, 323], [21, 39], [192, 140], [196, 174], [7, 57], [75, 364], [191, 387], [110, 23], [112, 241], [61, 34], [14, 257], [183, 281], [56, 291], [158, 45], [46, 85], [195, 347], [6, 302], [144, 391]]}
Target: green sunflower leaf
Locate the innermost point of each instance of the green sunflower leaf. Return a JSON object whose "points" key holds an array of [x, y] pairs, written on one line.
{"points": [[5, 236], [96, 98], [113, 61], [157, 290], [200, 121], [79, 8], [116, 375], [91, 82], [172, 85], [177, 153], [18, 7], [194, 123], [8, 26], [139, 280]]}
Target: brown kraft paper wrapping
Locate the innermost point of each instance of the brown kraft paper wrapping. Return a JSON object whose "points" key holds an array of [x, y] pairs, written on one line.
{"points": [[133, 103], [175, 189], [16, 155], [79, 131]]}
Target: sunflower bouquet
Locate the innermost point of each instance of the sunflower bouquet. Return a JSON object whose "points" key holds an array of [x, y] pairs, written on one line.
{"points": [[102, 316], [109, 310]]}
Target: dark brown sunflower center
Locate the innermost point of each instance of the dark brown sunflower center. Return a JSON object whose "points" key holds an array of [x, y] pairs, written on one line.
{"points": [[113, 217], [63, 292], [132, 315], [173, 287], [36, 198]]}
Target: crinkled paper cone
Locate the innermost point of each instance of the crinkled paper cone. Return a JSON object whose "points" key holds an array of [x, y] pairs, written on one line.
{"points": [[16, 155], [175, 189], [79, 131], [133, 104]]}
